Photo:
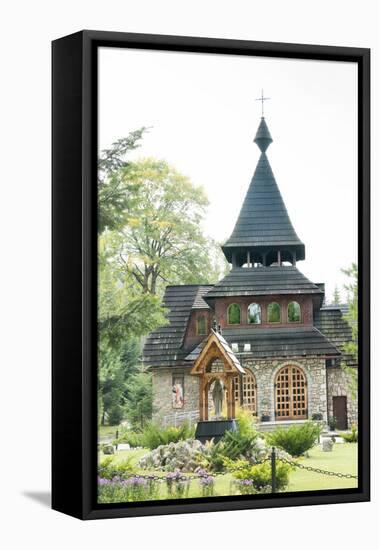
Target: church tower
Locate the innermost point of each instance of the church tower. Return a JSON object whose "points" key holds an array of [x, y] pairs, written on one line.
{"points": [[263, 234], [277, 348]]}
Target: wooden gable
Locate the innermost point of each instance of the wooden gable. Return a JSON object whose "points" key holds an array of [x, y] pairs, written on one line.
{"points": [[216, 347]]}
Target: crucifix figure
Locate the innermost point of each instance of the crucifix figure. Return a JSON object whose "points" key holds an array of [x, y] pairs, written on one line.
{"points": [[262, 99]]}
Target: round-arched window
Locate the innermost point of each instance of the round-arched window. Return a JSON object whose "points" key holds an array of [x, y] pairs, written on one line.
{"points": [[291, 394], [254, 314], [234, 314], [273, 313], [201, 326], [293, 312], [246, 395]]}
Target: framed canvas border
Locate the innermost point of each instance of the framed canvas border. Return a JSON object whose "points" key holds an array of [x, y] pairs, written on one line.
{"points": [[74, 270]]}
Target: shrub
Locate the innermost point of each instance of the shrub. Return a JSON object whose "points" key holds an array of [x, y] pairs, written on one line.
{"points": [[108, 470], [246, 422], [154, 435], [295, 440], [259, 475], [350, 437], [135, 439], [235, 445]]}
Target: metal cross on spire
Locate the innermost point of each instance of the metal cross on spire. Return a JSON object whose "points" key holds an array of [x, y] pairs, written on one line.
{"points": [[262, 99]]}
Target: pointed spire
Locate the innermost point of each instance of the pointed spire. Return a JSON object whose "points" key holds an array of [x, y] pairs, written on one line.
{"points": [[263, 229], [263, 137]]}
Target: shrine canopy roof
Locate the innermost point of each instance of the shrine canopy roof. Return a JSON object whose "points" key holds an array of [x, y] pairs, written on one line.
{"points": [[216, 347]]}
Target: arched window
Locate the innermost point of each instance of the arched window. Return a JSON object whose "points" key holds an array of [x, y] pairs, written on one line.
{"points": [[234, 314], [254, 315], [290, 394], [201, 326], [293, 312], [248, 398], [273, 313]]}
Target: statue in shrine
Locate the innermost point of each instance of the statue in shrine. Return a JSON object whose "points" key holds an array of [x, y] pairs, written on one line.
{"points": [[218, 397]]}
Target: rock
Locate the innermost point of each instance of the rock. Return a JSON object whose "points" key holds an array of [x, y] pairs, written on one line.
{"points": [[327, 445], [108, 449]]}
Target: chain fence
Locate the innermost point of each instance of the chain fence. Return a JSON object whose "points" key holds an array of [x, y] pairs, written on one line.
{"points": [[273, 458]]}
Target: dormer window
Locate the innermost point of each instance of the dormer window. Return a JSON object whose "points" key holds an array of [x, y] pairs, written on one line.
{"points": [[201, 326], [273, 313], [234, 314], [254, 314], [294, 312]]}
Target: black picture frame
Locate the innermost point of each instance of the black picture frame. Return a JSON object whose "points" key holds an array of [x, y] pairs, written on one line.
{"points": [[74, 151]]}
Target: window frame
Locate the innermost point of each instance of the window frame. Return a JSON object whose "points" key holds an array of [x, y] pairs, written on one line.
{"points": [[268, 314], [201, 318], [227, 314], [260, 313], [300, 312]]}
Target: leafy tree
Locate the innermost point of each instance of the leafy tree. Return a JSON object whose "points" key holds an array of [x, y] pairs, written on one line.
{"points": [[351, 317], [113, 200], [123, 310], [162, 241], [124, 315], [150, 235]]}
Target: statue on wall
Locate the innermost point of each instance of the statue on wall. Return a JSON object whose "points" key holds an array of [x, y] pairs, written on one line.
{"points": [[218, 397]]}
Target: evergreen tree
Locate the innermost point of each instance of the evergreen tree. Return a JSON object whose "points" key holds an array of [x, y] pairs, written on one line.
{"points": [[351, 317], [336, 296]]}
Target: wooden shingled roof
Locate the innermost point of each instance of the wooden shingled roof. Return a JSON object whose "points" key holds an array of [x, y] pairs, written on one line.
{"points": [[263, 220], [330, 321], [244, 281], [276, 342], [163, 346]]}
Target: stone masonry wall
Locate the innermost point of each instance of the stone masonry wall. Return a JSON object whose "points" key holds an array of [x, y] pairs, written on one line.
{"points": [[338, 385], [162, 394], [265, 371]]}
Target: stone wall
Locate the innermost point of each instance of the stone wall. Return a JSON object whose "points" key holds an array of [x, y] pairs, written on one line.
{"points": [[162, 394], [265, 371], [338, 385]]}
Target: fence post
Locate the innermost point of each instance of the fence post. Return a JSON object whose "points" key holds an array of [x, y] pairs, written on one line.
{"points": [[273, 470]]}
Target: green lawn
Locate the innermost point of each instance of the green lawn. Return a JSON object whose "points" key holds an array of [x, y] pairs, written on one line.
{"points": [[107, 432], [342, 459]]}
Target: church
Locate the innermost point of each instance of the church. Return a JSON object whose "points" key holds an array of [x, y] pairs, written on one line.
{"points": [[280, 346]]}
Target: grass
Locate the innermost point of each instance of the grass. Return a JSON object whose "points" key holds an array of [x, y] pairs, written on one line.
{"points": [[107, 432], [342, 459]]}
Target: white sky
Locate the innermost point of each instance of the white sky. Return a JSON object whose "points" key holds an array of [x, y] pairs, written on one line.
{"points": [[204, 118]]}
